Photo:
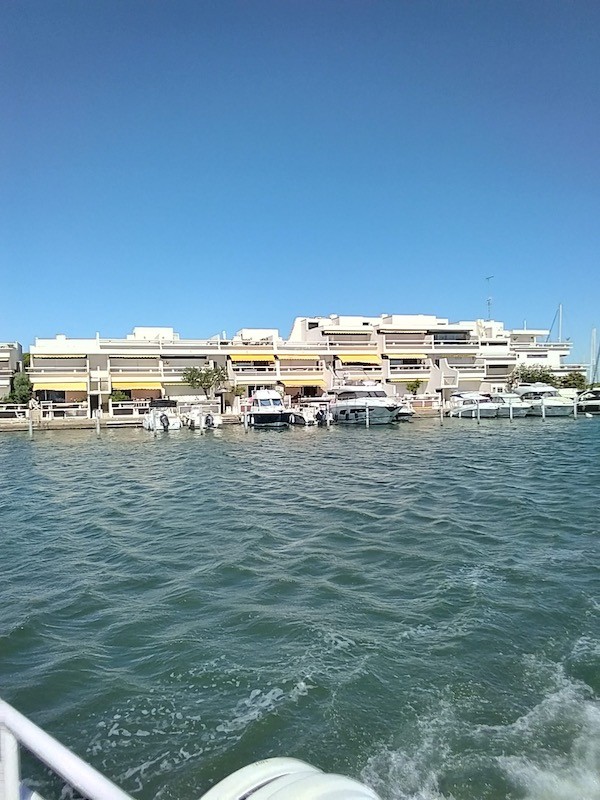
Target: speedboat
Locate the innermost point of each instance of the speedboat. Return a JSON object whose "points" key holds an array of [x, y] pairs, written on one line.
{"points": [[588, 402], [267, 409], [198, 419], [545, 400], [472, 405], [302, 415], [507, 400], [162, 416], [362, 403]]}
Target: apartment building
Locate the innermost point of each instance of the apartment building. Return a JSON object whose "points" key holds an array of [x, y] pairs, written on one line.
{"points": [[11, 360], [319, 353]]}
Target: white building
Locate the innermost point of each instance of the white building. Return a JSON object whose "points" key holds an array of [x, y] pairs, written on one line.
{"points": [[398, 350], [11, 360]]}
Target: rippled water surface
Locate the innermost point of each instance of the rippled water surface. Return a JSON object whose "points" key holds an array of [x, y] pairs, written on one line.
{"points": [[414, 606]]}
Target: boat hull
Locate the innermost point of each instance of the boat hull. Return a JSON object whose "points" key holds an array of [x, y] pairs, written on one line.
{"points": [[471, 413], [552, 411], [268, 419], [378, 415], [589, 408], [517, 412]]}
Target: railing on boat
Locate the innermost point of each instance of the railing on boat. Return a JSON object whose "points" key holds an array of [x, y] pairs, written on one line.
{"points": [[15, 730], [294, 778]]}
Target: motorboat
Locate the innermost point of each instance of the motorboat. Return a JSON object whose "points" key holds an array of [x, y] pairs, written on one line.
{"points": [[588, 402], [509, 400], [198, 419], [267, 409], [545, 400], [162, 416], [472, 405], [303, 415], [364, 403]]}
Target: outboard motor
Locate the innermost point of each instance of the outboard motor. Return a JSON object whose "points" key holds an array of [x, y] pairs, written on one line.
{"points": [[164, 421], [287, 779], [209, 421]]}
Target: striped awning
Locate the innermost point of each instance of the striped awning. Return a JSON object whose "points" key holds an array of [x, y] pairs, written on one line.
{"points": [[303, 382], [358, 358], [347, 331], [136, 385], [58, 355], [56, 386], [252, 355], [134, 356], [299, 356], [393, 354]]}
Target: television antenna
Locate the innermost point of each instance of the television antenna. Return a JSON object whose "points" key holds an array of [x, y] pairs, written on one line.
{"points": [[489, 298]]}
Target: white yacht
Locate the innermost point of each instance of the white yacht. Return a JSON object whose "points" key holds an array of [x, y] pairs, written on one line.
{"points": [[542, 394], [588, 402], [471, 405], [507, 400], [267, 409], [162, 416], [352, 403]]}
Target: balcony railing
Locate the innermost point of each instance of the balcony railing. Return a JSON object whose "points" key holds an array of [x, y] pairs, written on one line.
{"points": [[397, 368], [295, 370], [69, 370]]}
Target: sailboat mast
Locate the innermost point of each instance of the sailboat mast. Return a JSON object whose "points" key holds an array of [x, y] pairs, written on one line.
{"points": [[560, 322]]}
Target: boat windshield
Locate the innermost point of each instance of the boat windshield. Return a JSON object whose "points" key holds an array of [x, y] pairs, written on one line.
{"points": [[361, 393]]}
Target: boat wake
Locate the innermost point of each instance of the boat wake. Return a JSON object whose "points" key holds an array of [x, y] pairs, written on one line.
{"points": [[552, 752]]}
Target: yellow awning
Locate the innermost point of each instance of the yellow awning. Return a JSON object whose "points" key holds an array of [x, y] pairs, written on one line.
{"points": [[392, 354], [358, 358], [252, 355], [303, 382], [405, 380], [299, 356], [136, 385], [55, 386]]}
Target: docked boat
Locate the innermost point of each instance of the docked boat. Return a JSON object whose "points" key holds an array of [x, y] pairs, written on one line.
{"points": [[302, 415], [545, 400], [162, 416], [588, 402], [472, 405], [267, 410], [197, 419], [366, 403], [509, 400]]}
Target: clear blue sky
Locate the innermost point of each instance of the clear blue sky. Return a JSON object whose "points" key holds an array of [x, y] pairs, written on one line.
{"points": [[221, 164]]}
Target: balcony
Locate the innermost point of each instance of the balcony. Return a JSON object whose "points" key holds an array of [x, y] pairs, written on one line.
{"points": [[54, 371]]}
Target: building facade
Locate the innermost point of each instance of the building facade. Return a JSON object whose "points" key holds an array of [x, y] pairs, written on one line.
{"points": [[320, 352], [11, 361]]}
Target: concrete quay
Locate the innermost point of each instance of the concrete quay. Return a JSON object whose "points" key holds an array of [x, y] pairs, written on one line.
{"points": [[83, 423]]}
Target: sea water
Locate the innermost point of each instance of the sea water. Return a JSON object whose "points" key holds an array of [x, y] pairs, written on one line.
{"points": [[415, 606]]}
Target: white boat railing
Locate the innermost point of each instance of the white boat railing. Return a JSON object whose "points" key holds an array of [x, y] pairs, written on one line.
{"points": [[15, 730]]}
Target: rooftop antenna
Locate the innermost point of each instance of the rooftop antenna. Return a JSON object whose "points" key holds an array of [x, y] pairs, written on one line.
{"points": [[489, 299]]}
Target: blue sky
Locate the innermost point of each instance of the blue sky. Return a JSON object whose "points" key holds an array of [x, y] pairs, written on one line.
{"points": [[223, 164]]}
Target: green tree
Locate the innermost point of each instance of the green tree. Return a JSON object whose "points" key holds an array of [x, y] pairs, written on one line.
{"points": [[208, 378], [573, 380], [22, 388], [533, 374], [119, 396], [413, 386]]}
